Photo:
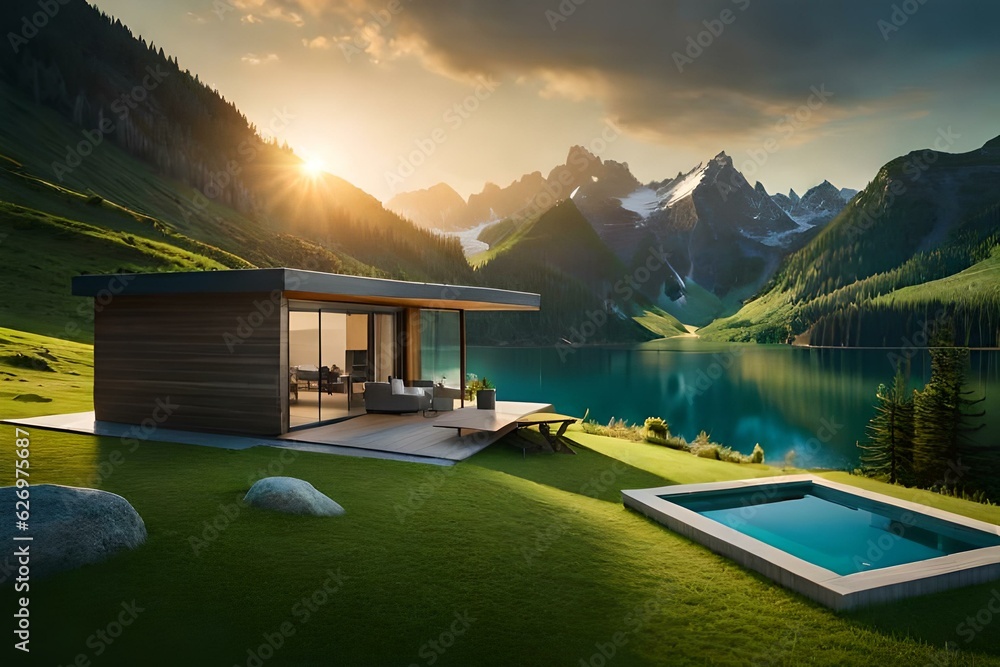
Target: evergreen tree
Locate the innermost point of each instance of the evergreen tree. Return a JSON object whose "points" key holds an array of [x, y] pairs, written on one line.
{"points": [[889, 451], [942, 414]]}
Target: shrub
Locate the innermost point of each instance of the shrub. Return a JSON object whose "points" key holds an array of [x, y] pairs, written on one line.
{"points": [[655, 431], [28, 362], [656, 427], [710, 452], [473, 385], [616, 428]]}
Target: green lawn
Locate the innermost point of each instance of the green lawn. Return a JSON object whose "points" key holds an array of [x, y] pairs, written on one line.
{"points": [[534, 559]]}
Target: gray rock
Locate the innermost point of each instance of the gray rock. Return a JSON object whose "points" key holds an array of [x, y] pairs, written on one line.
{"points": [[291, 496], [71, 527]]}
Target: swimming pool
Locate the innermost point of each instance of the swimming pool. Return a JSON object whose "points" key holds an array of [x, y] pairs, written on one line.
{"points": [[839, 545]]}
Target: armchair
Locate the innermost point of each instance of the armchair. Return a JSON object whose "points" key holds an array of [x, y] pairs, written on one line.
{"points": [[393, 397]]}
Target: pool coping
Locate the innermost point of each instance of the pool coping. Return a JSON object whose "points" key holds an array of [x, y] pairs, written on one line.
{"points": [[839, 592]]}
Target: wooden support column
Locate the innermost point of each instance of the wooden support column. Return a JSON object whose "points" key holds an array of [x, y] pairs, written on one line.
{"points": [[411, 350], [461, 345]]}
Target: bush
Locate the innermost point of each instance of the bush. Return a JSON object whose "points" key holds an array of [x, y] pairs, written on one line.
{"points": [[656, 427], [28, 362], [473, 385], [655, 431], [710, 452], [616, 428]]}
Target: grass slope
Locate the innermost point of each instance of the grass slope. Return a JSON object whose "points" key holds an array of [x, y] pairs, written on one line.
{"points": [[44, 252], [40, 375], [536, 555], [978, 281]]}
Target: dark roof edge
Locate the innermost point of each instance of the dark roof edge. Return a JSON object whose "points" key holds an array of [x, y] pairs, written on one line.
{"points": [[291, 280]]}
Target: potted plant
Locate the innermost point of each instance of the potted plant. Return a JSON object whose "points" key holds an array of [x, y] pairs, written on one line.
{"points": [[486, 395]]}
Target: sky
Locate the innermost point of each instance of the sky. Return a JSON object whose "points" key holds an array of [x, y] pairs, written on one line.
{"points": [[398, 95]]}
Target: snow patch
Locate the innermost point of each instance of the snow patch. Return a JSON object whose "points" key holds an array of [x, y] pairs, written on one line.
{"points": [[643, 202], [572, 195], [686, 186], [469, 238]]}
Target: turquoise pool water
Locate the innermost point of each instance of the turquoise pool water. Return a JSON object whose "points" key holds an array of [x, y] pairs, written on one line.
{"points": [[834, 530]]}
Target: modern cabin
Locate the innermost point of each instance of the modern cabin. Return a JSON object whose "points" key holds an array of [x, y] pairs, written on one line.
{"points": [[265, 351]]}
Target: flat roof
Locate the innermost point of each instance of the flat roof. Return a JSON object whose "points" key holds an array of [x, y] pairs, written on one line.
{"points": [[308, 285]]}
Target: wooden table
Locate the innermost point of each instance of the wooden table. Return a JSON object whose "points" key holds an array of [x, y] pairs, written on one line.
{"points": [[545, 421], [492, 421]]}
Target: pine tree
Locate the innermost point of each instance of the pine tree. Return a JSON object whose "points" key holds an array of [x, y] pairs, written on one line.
{"points": [[942, 414], [889, 451]]}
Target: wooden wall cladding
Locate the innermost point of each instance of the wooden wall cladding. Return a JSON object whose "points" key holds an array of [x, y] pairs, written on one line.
{"points": [[214, 361]]}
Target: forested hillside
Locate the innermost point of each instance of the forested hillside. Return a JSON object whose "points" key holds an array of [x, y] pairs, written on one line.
{"points": [[914, 247], [586, 292], [117, 89]]}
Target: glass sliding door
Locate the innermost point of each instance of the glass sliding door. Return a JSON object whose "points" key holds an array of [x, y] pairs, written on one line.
{"points": [[332, 353], [334, 396], [303, 368]]}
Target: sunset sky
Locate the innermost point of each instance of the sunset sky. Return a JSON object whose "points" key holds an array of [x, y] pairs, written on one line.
{"points": [[371, 83]]}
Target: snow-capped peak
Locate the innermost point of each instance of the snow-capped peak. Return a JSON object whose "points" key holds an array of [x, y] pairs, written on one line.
{"points": [[680, 189]]}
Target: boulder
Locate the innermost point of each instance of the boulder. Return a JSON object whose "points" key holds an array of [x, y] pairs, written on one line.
{"points": [[291, 496], [70, 527]]}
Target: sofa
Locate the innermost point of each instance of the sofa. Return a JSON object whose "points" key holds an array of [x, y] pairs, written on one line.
{"points": [[393, 397]]}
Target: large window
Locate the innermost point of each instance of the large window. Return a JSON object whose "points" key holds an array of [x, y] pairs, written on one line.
{"points": [[441, 347], [331, 354]]}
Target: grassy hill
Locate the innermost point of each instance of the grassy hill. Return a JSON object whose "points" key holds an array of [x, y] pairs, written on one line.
{"points": [[902, 250], [508, 543]]}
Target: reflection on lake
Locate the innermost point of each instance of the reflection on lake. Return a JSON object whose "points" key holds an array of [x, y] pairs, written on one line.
{"points": [[816, 402]]}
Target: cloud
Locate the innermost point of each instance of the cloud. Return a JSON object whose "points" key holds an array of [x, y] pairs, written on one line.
{"points": [[321, 43], [254, 59], [288, 11], [678, 71]]}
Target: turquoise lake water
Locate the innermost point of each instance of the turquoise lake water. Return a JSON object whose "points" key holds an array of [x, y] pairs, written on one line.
{"points": [[815, 402]]}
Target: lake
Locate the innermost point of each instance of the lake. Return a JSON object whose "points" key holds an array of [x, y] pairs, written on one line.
{"points": [[814, 401]]}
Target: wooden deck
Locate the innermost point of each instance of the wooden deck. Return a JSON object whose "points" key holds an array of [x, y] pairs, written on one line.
{"points": [[416, 435]]}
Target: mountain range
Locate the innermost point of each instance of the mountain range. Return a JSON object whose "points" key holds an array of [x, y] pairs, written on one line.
{"points": [[721, 237]]}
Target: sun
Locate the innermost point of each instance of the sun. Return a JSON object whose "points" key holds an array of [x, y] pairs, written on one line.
{"points": [[313, 167]]}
